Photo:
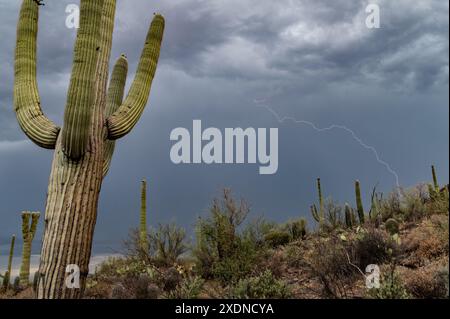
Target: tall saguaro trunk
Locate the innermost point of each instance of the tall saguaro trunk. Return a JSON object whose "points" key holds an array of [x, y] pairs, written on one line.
{"points": [[95, 116]]}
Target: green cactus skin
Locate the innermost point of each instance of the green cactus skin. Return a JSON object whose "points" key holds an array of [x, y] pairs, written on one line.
{"points": [[114, 99], [435, 181], [27, 102], [348, 216], [315, 213], [7, 277], [91, 119], [321, 204], [359, 204], [82, 89], [128, 114], [28, 233], [143, 218], [6, 280], [319, 214]]}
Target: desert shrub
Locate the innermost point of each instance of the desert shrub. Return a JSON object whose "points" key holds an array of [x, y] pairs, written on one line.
{"points": [[391, 287], [277, 238], [189, 288], [329, 263], [390, 207], [372, 246], [273, 260], [333, 214], [296, 229], [239, 264], [169, 242], [223, 249], [428, 283], [429, 240], [134, 287], [124, 267], [413, 204], [264, 286], [294, 255], [165, 245]]}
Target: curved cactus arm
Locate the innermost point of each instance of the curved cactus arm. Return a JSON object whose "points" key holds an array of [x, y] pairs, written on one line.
{"points": [[114, 99], [125, 118], [81, 94], [27, 105]]}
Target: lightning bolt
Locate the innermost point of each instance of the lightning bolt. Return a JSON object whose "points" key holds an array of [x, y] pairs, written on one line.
{"points": [[260, 103]]}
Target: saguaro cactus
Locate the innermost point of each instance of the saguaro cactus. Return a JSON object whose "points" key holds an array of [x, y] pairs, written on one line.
{"points": [[359, 204], [319, 214], [348, 216], [28, 232], [83, 146], [7, 276], [143, 218]]}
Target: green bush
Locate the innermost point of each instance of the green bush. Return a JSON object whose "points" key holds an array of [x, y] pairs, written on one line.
{"points": [[391, 287], [224, 250], [166, 244], [265, 286], [189, 288], [277, 238], [169, 242]]}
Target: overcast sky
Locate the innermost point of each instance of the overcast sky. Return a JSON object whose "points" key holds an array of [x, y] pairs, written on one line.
{"points": [[248, 63]]}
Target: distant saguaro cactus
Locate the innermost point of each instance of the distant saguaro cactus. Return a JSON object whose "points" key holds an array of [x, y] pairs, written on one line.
{"points": [[93, 120], [28, 232], [143, 237], [349, 216], [319, 214], [7, 276], [359, 204]]}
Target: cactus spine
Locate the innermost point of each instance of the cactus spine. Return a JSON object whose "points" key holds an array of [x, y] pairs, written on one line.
{"points": [[94, 118], [143, 218], [359, 204], [28, 232]]}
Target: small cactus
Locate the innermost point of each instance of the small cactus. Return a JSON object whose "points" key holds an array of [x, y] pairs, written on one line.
{"points": [[7, 277], [5, 282], [297, 229], [435, 181], [349, 216], [319, 214], [392, 226], [16, 285], [143, 237], [28, 232], [359, 204]]}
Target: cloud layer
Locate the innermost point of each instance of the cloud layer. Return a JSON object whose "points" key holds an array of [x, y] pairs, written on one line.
{"points": [[311, 60]]}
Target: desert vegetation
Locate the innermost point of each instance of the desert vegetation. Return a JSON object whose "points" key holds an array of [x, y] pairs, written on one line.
{"points": [[235, 255]]}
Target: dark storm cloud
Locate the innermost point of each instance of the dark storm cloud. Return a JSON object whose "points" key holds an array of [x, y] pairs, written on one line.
{"points": [[313, 60]]}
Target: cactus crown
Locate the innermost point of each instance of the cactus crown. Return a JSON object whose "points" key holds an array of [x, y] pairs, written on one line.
{"points": [[91, 58]]}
